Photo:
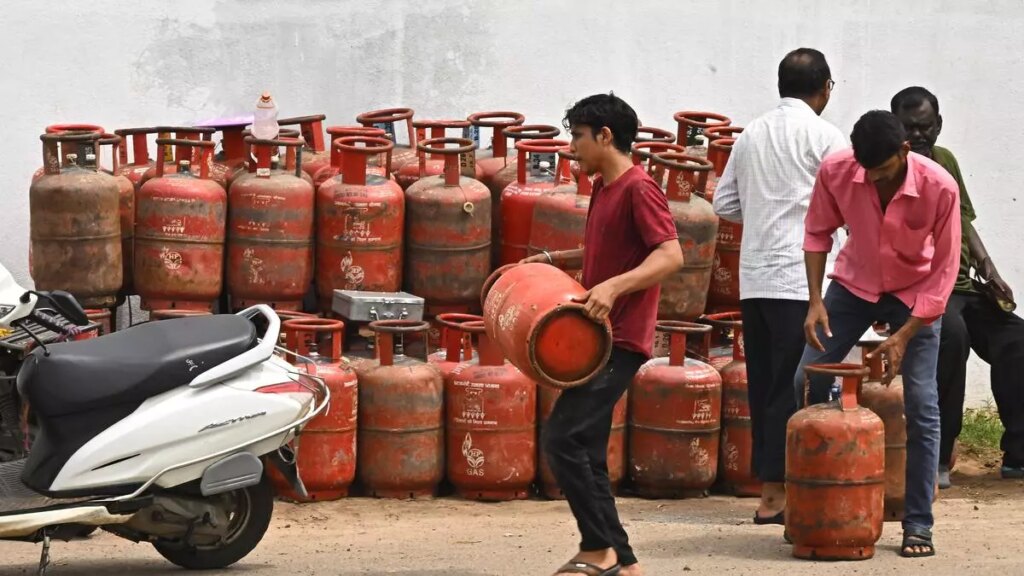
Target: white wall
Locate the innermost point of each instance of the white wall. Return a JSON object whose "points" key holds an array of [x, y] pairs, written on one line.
{"points": [[123, 64]]}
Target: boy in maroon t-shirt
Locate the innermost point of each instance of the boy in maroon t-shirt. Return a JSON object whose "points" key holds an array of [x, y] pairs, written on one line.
{"points": [[630, 246]]}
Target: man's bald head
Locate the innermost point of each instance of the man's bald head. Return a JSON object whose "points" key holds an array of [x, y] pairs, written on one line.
{"points": [[803, 73]]}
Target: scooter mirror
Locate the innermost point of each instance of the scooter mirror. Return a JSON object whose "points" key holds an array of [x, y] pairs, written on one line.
{"points": [[68, 306]]}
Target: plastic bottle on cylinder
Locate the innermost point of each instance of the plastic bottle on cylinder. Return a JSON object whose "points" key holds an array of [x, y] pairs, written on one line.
{"points": [[264, 120]]}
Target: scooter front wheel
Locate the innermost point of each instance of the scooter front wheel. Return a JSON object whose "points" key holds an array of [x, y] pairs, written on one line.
{"points": [[249, 516]]}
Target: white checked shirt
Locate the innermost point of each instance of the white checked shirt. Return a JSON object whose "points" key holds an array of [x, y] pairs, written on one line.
{"points": [[766, 186]]}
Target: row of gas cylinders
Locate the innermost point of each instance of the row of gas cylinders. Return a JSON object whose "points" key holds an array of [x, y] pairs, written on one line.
{"points": [[263, 226], [401, 425]]}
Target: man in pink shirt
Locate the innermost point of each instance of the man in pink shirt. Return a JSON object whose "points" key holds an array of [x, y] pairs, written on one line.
{"points": [[898, 266]]}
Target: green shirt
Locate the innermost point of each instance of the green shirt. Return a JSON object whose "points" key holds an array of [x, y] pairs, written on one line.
{"points": [[946, 159]]}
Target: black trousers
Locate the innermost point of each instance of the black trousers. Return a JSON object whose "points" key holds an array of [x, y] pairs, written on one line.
{"points": [[773, 333], [576, 445], [973, 322]]}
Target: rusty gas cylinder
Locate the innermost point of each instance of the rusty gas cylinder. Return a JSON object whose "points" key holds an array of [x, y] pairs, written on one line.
{"points": [[385, 120], [724, 289], [333, 168], [74, 223], [643, 154], [535, 175], [314, 155], [691, 129], [270, 231], [684, 293], [491, 424], [172, 157], [401, 419], [360, 223], [887, 403], [529, 312], [835, 473], [735, 467], [70, 146], [560, 215], [456, 342], [326, 455], [230, 163], [133, 166], [616, 454], [675, 406], [496, 157], [126, 213], [448, 224], [179, 234], [433, 163]]}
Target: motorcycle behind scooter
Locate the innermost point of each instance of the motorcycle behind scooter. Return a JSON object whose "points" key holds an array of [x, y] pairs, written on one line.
{"points": [[158, 433]]}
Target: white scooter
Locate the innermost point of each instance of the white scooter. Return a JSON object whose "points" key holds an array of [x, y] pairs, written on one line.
{"points": [[157, 433]]}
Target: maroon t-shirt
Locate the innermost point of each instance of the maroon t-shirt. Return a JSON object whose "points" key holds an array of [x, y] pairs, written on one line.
{"points": [[627, 220]]}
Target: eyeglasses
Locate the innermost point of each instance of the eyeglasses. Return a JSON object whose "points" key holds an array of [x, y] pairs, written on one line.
{"points": [[831, 84]]}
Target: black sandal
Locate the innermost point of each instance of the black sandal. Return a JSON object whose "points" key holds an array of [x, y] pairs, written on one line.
{"points": [[918, 539], [779, 519], [576, 567]]}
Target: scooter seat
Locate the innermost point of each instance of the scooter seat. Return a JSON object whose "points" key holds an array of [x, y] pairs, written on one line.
{"points": [[129, 366]]}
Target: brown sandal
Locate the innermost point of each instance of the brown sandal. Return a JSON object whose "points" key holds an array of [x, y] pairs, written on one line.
{"points": [[576, 567]]}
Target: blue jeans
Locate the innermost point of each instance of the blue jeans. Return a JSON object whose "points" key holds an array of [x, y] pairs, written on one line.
{"points": [[849, 317]]}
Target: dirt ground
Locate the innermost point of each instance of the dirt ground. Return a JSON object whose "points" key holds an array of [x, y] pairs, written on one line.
{"points": [[977, 532]]}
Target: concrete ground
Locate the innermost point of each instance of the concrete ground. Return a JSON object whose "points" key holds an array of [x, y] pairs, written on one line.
{"points": [[978, 523]]}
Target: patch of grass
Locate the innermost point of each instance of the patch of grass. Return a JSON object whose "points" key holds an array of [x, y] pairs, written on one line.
{"points": [[982, 431]]}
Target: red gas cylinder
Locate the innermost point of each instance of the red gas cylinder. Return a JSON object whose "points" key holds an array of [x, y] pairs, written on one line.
{"points": [[179, 234], [385, 120], [456, 343], [75, 224], [433, 164], [326, 455], [510, 172], [176, 313], [401, 419], [360, 221], [314, 156], [887, 403], [140, 162], [835, 474], [643, 155], [533, 178], [270, 232], [735, 471], [448, 220], [714, 133], [230, 163], [684, 294], [546, 397], [675, 408], [492, 425], [126, 212], [692, 126], [182, 152], [529, 313], [724, 289], [69, 147], [334, 167], [560, 215], [495, 158]]}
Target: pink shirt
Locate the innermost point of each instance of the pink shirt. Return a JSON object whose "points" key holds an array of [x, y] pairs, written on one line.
{"points": [[912, 251]]}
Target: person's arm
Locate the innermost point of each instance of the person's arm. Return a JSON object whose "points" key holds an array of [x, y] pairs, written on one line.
{"points": [[981, 260], [727, 193], [564, 259], [822, 220], [935, 289]]}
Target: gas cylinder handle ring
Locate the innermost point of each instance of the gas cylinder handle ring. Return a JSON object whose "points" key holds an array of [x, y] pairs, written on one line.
{"points": [[301, 119], [318, 325], [133, 131], [293, 141], [838, 369], [343, 131], [437, 146], [724, 319], [680, 161], [724, 131], [184, 142], [542, 145], [492, 279], [680, 327], [399, 326], [186, 130], [721, 144], [457, 320], [656, 135], [108, 139], [647, 150], [385, 115], [496, 119], [374, 144], [71, 136], [474, 327], [531, 132], [72, 127], [441, 124], [702, 119]]}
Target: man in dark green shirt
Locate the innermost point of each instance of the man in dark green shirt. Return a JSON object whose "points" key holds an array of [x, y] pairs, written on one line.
{"points": [[972, 320]]}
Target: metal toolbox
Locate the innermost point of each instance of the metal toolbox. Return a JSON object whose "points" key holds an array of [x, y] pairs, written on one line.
{"points": [[361, 306]]}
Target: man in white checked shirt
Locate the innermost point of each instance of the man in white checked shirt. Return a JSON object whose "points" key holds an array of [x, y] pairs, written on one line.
{"points": [[767, 186]]}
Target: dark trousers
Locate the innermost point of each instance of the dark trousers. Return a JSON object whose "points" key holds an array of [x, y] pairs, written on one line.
{"points": [[773, 336], [576, 445], [973, 322]]}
